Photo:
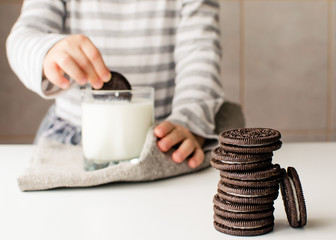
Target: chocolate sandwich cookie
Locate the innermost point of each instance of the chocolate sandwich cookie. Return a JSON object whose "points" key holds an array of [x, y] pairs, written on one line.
{"points": [[269, 172], [250, 183], [118, 83], [220, 154], [250, 140], [293, 198], [235, 207], [244, 224], [246, 191], [252, 137], [244, 228], [267, 199], [243, 215], [223, 160], [252, 149], [238, 166]]}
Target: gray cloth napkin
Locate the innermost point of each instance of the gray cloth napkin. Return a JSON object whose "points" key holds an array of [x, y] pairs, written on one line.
{"points": [[55, 165]]}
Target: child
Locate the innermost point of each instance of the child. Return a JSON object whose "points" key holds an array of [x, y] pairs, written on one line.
{"points": [[171, 45]]}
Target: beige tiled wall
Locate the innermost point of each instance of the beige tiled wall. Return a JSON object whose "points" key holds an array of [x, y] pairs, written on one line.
{"points": [[20, 110], [278, 63]]}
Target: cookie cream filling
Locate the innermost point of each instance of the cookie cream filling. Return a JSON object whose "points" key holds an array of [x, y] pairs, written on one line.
{"points": [[295, 199], [254, 145], [248, 145], [239, 163], [252, 227]]}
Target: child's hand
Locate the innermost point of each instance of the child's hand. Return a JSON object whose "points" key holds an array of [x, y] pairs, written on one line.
{"points": [[189, 145], [77, 57]]}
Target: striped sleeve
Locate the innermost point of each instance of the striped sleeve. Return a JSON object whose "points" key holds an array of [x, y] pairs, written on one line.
{"points": [[37, 29], [198, 93]]}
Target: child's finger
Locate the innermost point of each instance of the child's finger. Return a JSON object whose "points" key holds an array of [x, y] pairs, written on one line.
{"points": [[55, 75], [70, 66], [163, 129], [171, 139], [183, 151], [86, 65], [197, 158], [96, 60]]}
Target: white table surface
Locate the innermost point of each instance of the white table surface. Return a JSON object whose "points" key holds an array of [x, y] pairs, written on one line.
{"points": [[176, 208]]}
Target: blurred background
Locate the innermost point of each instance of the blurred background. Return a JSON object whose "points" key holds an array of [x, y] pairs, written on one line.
{"points": [[279, 64]]}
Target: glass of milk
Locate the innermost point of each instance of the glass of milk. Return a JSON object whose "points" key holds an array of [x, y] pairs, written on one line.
{"points": [[115, 125]]}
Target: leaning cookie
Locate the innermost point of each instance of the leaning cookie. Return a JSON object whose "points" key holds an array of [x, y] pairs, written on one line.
{"points": [[293, 198]]}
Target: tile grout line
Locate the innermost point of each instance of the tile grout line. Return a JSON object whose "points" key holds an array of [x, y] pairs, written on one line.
{"points": [[242, 54], [329, 70]]}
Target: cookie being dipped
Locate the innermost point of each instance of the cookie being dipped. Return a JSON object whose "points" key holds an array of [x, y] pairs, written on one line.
{"points": [[117, 83]]}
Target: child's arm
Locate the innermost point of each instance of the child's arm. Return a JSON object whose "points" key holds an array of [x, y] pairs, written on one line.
{"points": [[38, 47], [198, 92], [38, 28]]}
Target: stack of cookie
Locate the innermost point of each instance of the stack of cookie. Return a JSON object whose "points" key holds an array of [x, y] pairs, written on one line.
{"points": [[249, 182]]}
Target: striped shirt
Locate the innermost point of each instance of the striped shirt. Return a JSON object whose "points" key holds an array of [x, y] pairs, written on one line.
{"points": [[171, 45]]}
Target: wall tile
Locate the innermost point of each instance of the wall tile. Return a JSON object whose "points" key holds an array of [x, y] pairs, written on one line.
{"points": [[16, 139], [286, 64], [11, 1], [303, 136], [230, 33], [21, 110], [333, 137]]}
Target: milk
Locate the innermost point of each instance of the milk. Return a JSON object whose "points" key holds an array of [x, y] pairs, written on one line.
{"points": [[115, 130]]}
